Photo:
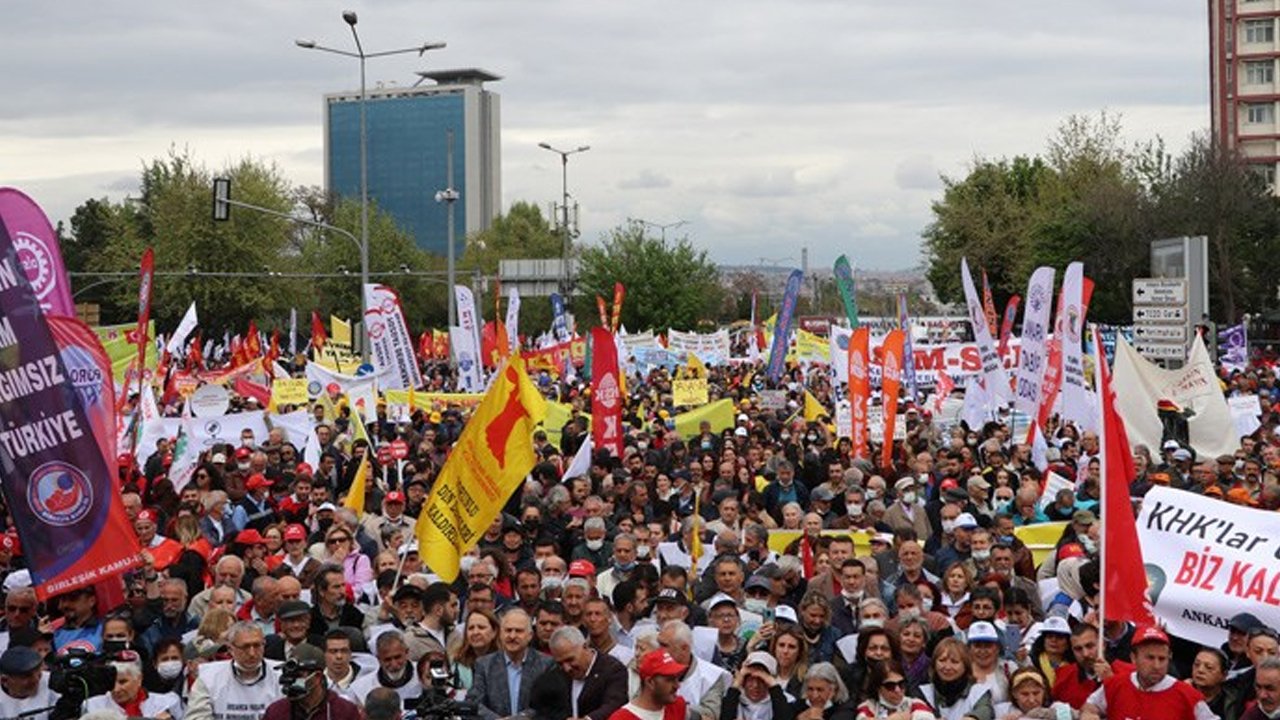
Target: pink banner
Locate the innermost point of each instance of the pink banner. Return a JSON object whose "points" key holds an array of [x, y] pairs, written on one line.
{"points": [[38, 251]]}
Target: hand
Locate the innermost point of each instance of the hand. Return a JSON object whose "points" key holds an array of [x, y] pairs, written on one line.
{"points": [[148, 560], [1102, 669], [1021, 655], [813, 713]]}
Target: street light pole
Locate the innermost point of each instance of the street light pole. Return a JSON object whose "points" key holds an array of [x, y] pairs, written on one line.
{"points": [[564, 208], [450, 195], [663, 227], [350, 18]]}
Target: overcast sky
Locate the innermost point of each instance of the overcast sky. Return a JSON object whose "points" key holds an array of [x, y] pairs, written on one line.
{"points": [[768, 126]]}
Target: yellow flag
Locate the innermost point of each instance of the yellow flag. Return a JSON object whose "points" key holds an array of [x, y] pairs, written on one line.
{"points": [[812, 408], [487, 464], [339, 331], [358, 430], [355, 496], [696, 368], [695, 544], [718, 413]]}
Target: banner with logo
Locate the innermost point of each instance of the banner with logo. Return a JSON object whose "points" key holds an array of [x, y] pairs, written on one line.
{"points": [[782, 331], [487, 464], [1207, 560], [1035, 329], [553, 359], [228, 429], [859, 359], [711, 348], [1006, 325], [689, 392], [844, 283], [39, 254], [89, 371], [146, 277], [992, 369], [513, 318], [465, 340], [390, 344], [60, 489], [606, 393], [908, 357], [891, 382], [559, 319], [1077, 400], [1233, 348]]}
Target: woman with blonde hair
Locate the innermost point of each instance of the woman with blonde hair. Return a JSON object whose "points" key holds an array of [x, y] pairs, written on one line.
{"points": [[213, 626], [479, 638], [951, 691]]}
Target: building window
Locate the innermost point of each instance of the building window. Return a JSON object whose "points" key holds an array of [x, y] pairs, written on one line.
{"points": [[1259, 31], [1259, 72], [1267, 173], [1260, 113]]}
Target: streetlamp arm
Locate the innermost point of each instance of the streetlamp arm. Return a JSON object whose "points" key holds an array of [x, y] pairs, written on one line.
{"points": [[293, 218], [335, 51], [419, 49]]}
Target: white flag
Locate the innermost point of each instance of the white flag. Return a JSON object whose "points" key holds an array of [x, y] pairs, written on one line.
{"points": [[992, 366], [391, 348], [581, 464], [293, 331], [180, 335], [1035, 326], [466, 355], [1078, 403], [513, 319]]}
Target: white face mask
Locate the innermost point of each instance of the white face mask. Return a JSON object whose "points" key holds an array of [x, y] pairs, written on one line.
{"points": [[873, 495], [908, 498], [169, 669], [852, 597], [982, 555], [756, 605], [642, 552], [854, 509], [594, 545], [948, 525], [552, 583]]}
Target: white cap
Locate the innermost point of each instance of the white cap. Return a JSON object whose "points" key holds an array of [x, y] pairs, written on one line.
{"points": [[763, 659], [406, 548], [1056, 625], [326, 506], [966, 520], [786, 612], [720, 599], [17, 579], [982, 632]]}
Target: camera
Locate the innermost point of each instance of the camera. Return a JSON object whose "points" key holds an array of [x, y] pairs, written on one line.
{"points": [[435, 703], [293, 678], [77, 675]]}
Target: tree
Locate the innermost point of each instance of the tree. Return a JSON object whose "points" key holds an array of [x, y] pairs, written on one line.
{"points": [[522, 233], [669, 284]]}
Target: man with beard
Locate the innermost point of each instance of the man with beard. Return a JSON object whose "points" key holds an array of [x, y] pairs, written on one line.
{"points": [[395, 671], [660, 675], [243, 684], [440, 612]]}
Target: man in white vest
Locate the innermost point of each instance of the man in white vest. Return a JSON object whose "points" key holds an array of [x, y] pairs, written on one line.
{"points": [[703, 684], [24, 685], [240, 688]]}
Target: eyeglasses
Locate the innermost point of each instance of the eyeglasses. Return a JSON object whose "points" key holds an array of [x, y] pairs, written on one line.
{"points": [[893, 684], [249, 646], [336, 540]]}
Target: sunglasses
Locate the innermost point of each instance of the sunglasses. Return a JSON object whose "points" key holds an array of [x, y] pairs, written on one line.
{"points": [[893, 684], [336, 540]]}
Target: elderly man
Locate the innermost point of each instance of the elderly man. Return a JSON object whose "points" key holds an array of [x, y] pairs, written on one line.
{"points": [[245, 684], [624, 563], [503, 680], [583, 684], [703, 685], [229, 572], [1267, 686], [24, 684], [395, 670], [173, 620]]}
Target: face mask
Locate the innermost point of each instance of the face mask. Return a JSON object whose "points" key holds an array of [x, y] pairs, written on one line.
{"points": [[873, 495], [908, 498], [854, 509], [1006, 539], [706, 444], [169, 669], [811, 437], [594, 545], [852, 597], [948, 525], [242, 467], [625, 567], [785, 436], [1089, 545], [642, 552], [756, 605], [982, 555], [908, 614], [466, 563], [642, 446], [872, 623], [552, 583], [246, 442]]}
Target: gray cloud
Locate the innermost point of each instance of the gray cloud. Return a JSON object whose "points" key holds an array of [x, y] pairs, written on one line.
{"points": [[646, 179]]}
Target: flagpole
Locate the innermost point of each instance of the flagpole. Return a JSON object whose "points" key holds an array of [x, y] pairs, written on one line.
{"points": [[1098, 360]]}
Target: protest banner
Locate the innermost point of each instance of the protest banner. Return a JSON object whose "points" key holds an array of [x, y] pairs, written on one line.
{"points": [[718, 414], [390, 344], [992, 367], [1207, 560], [1030, 372], [782, 332], [489, 462], [711, 348], [689, 392], [64, 492], [38, 251], [292, 391], [607, 396]]}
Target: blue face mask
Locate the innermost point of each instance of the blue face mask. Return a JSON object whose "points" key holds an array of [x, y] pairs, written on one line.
{"points": [[625, 567], [1006, 539]]}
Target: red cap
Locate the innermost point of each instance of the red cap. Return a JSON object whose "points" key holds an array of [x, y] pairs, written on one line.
{"points": [[948, 484], [304, 469], [257, 480], [148, 515], [582, 568], [394, 496], [243, 452], [659, 662], [9, 542], [1149, 633], [249, 536], [295, 532], [926, 413], [1071, 550]]}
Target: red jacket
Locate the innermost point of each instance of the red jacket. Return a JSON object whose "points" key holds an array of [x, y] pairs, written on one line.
{"points": [[1070, 688], [674, 711]]}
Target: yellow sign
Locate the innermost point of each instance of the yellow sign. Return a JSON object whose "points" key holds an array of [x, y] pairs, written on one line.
{"points": [[719, 414], [689, 392], [488, 463], [290, 391], [1040, 539]]}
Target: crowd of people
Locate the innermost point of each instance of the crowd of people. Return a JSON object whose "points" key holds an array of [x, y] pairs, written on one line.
{"points": [[717, 575]]}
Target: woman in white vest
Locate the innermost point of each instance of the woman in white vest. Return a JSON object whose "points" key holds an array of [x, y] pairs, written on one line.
{"points": [[951, 690], [240, 688], [130, 699]]}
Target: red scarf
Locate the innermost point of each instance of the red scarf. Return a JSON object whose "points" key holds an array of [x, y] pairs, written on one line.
{"points": [[134, 709]]}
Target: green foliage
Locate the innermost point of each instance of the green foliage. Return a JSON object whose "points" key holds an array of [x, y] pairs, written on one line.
{"points": [[1089, 198], [522, 233], [669, 284]]}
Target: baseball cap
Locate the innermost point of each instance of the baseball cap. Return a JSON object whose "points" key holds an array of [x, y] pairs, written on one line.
{"points": [[966, 521], [1149, 633], [243, 452], [758, 582], [786, 612], [409, 547], [19, 661], [256, 481], [249, 536], [1055, 625], [408, 591], [326, 506], [395, 496], [1181, 455], [669, 595], [10, 543], [904, 483], [582, 568], [1071, 550], [148, 515], [304, 469], [740, 431], [1172, 445], [982, 632], [948, 484], [882, 538], [218, 458], [763, 659], [822, 494], [308, 657], [295, 532], [659, 662], [1244, 622], [720, 599], [977, 481]]}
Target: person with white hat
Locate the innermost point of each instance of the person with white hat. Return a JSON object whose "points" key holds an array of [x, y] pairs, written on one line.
{"points": [[908, 511], [756, 693]]}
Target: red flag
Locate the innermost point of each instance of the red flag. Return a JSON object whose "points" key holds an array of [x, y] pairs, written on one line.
{"points": [[248, 389], [806, 557], [1124, 582], [859, 387], [619, 292], [195, 353], [273, 352], [318, 336], [252, 346], [604, 312], [426, 346], [440, 339], [606, 393], [988, 304], [890, 382], [145, 280], [943, 391], [1006, 325]]}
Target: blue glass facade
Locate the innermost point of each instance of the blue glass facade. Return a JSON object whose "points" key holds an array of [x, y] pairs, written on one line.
{"points": [[407, 144]]}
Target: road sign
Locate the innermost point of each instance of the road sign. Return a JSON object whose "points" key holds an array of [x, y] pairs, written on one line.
{"points": [[1159, 291], [1162, 352], [1160, 333], [1146, 314]]}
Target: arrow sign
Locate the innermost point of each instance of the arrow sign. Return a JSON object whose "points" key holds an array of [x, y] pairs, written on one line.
{"points": [[1162, 352], [1161, 333], [1159, 291], [1142, 313]]}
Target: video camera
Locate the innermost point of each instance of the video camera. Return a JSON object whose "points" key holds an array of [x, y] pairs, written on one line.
{"points": [[436, 704], [77, 675], [293, 678]]}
